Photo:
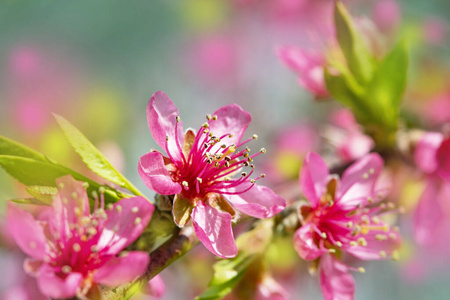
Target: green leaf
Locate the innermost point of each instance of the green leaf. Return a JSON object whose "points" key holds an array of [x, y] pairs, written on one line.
{"points": [[346, 91], [92, 156], [388, 83], [10, 147], [358, 57], [35, 172], [32, 201], [227, 273], [42, 193]]}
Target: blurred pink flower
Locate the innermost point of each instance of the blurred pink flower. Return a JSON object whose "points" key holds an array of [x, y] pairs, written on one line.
{"points": [[438, 111], [344, 215], [387, 15], [347, 136], [435, 31], [198, 170], [155, 287], [71, 249], [432, 214], [215, 57], [308, 65], [291, 146], [269, 289]]}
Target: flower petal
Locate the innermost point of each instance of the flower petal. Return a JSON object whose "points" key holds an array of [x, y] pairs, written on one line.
{"points": [[155, 175], [426, 150], [359, 180], [155, 287], [27, 232], [377, 248], [231, 119], [126, 221], [335, 280], [307, 65], [56, 287], [213, 229], [314, 177], [71, 203], [428, 215], [305, 245], [119, 270], [162, 120], [443, 158], [259, 202]]}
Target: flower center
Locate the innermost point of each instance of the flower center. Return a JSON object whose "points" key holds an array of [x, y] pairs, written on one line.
{"points": [[210, 162]]}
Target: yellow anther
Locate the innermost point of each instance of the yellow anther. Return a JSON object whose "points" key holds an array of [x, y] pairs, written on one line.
{"points": [[177, 118], [135, 209], [383, 254], [208, 117], [76, 247], [361, 270], [184, 183], [395, 255], [137, 221], [365, 176], [255, 137]]}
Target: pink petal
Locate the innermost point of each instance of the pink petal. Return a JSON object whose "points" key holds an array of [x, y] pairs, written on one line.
{"points": [[354, 146], [161, 118], [443, 158], [56, 287], [426, 151], [335, 280], [375, 247], [305, 245], [269, 289], [231, 119], [27, 232], [428, 215], [213, 229], [119, 270], [155, 287], [359, 180], [259, 202], [155, 175], [71, 197], [386, 15], [314, 177], [308, 65], [126, 221]]}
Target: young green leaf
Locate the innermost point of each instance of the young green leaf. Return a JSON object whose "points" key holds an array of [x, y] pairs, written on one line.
{"points": [[227, 273], [10, 147], [340, 87], [358, 57], [92, 156], [32, 201], [386, 88], [35, 172], [42, 193]]}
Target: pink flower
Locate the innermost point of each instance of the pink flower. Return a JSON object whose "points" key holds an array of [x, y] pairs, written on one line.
{"points": [[308, 65], [346, 135], [155, 287], [432, 214], [72, 249], [344, 216], [386, 15], [269, 289], [198, 170]]}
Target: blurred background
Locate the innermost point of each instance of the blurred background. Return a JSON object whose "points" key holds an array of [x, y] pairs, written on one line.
{"points": [[98, 62]]}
